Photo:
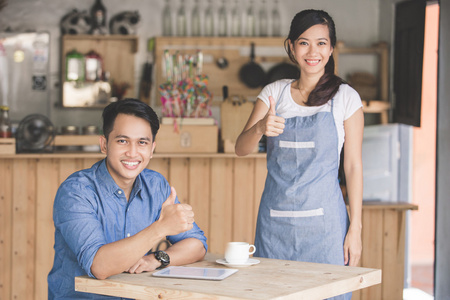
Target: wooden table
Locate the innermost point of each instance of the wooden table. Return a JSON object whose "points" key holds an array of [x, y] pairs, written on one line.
{"points": [[270, 279]]}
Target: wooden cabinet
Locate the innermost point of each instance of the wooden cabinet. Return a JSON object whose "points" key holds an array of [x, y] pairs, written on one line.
{"points": [[117, 53], [223, 189], [381, 103]]}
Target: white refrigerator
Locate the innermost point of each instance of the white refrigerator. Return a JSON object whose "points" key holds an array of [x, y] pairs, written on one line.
{"points": [[24, 73]]}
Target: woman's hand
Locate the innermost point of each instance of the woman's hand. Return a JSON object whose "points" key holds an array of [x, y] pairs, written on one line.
{"points": [[352, 247], [271, 124]]}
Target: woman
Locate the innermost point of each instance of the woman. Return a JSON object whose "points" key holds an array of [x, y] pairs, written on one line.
{"points": [[302, 215]]}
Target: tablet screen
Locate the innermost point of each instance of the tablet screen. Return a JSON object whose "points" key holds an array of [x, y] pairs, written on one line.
{"points": [[195, 273]]}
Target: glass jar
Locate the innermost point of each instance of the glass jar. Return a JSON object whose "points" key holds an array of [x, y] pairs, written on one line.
{"points": [[236, 20], [209, 20], [181, 20], [74, 66], [91, 130], [223, 22], [167, 19], [69, 130], [263, 19], [276, 20], [195, 20], [5, 123], [250, 20]]}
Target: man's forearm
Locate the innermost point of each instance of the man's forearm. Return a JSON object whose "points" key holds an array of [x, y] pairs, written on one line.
{"points": [[186, 251], [117, 257]]}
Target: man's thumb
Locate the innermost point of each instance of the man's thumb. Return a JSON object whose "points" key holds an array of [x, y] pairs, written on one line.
{"points": [[272, 105], [171, 199]]}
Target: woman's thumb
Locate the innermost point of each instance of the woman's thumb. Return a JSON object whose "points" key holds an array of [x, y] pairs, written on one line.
{"points": [[272, 105]]}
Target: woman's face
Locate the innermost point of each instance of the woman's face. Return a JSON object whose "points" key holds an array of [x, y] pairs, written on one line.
{"points": [[312, 50]]}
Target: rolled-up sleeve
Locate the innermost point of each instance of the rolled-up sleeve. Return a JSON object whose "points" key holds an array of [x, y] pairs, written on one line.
{"points": [[75, 217]]}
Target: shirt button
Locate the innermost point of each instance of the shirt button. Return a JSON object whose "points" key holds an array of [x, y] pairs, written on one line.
{"points": [[120, 192], [128, 235]]}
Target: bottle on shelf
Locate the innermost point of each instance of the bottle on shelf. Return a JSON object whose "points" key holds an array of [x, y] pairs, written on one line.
{"points": [[181, 20], [75, 66], [93, 66], [195, 20], [236, 20], [167, 19], [276, 20], [209, 19], [223, 22], [5, 123], [98, 14], [250, 20], [263, 19]]}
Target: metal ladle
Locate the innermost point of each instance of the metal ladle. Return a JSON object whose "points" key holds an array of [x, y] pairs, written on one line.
{"points": [[222, 62]]}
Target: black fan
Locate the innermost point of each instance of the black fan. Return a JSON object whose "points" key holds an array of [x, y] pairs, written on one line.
{"points": [[35, 134]]}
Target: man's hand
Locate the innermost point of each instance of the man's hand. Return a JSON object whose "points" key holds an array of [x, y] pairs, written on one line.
{"points": [[175, 218], [145, 264], [271, 124]]}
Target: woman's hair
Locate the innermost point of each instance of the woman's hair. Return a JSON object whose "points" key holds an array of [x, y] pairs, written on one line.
{"points": [[132, 107], [329, 83]]}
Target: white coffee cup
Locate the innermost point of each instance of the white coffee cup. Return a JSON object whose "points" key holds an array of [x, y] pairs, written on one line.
{"points": [[238, 252]]}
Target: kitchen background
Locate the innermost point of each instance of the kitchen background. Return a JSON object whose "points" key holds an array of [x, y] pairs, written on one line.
{"points": [[359, 23], [367, 25]]}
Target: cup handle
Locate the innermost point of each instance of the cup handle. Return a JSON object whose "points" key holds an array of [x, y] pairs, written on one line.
{"points": [[252, 251]]}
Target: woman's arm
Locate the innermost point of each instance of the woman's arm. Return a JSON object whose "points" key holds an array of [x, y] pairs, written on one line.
{"points": [[354, 128], [261, 121]]}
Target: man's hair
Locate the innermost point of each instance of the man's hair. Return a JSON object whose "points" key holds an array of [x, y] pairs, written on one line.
{"points": [[129, 106]]}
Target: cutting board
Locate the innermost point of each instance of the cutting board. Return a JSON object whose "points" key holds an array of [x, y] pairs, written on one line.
{"points": [[234, 114]]}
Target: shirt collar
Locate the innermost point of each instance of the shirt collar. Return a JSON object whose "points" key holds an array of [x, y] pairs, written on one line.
{"points": [[111, 186]]}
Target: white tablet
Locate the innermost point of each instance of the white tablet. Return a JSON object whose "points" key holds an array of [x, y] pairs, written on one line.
{"points": [[195, 273]]}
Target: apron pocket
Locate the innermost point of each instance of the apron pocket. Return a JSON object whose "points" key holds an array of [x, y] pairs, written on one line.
{"points": [[296, 214], [297, 145]]}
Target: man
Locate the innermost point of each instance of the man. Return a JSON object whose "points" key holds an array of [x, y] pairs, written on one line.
{"points": [[108, 217]]}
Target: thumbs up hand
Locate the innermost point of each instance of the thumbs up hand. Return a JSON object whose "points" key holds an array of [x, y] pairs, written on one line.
{"points": [[175, 218], [271, 124]]}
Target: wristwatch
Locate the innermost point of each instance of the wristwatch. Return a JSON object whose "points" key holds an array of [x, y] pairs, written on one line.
{"points": [[163, 258]]}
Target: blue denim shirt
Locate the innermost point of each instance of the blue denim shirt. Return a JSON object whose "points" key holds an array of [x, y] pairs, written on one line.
{"points": [[90, 210]]}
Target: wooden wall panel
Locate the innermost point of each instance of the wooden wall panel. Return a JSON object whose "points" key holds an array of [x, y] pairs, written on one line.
{"points": [[55, 172], [243, 200], [372, 255], [393, 254], [179, 177], [23, 254], [6, 225], [199, 191], [160, 165], [221, 209]]}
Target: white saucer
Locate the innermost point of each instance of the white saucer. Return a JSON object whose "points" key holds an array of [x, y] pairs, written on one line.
{"points": [[250, 262]]}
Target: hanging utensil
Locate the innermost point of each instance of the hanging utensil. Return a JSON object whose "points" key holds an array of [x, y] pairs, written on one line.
{"points": [[251, 74]]}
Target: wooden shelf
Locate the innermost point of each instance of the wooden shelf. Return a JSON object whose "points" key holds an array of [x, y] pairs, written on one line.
{"points": [[380, 49], [116, 51]]}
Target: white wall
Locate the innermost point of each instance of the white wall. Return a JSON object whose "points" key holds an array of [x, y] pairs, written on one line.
{"points": [[357, 23]]}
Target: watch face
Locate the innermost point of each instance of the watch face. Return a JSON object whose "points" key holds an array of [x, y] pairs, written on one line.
{"points": [[163, 257]]}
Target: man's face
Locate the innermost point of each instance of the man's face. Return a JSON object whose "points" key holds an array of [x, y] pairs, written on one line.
{"points": [[129, 148]]}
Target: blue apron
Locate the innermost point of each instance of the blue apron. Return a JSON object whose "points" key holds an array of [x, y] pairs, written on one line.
{"points": [[302, 215]]}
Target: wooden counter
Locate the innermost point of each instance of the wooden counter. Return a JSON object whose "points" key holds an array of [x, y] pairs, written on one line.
{"points": [[223, 189]]}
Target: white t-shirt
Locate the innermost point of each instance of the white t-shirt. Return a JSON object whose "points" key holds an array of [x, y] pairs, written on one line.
{"points": [[346, 102]]}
